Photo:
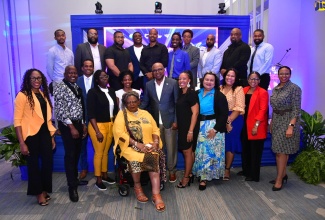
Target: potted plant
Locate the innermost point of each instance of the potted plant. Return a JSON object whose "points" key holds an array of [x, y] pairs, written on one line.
{"points": [[10, 150], [309, 165]]}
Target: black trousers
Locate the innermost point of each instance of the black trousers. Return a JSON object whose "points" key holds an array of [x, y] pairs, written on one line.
{"points": [[251, 156], [72, 148], [40, 162], [265, 81]]}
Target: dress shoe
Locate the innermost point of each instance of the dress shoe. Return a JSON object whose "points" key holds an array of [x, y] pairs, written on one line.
{"points": [[83, 174], [73, 195], [172, 178], [251, 179], [241, 173], [82, 182]]}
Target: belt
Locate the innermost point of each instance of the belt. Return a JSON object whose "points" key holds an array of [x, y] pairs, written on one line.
{"points": [[281, 112], [206, 117]]}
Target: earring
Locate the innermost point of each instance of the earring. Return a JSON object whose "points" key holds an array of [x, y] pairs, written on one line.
{"points": [[188, 85]]}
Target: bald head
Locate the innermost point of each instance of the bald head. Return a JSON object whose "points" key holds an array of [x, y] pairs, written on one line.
{"points": [[235, 35]]}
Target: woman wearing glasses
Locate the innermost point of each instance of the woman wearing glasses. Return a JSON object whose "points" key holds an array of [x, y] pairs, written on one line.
{"points": [[285, 125], [255, 127], [101, 109], [35, 132]]}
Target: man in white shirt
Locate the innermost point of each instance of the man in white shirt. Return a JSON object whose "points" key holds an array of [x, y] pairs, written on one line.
{"points": [[160, 99], [85, 82], [135, 53], [210, 58], [90, 50], [58, 57], [261, 58]]}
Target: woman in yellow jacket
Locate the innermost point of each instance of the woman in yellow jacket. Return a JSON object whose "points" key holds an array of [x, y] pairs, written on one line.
{"points": [[35, 132]]}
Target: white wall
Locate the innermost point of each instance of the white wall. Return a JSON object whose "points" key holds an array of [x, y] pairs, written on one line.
{"points": [[298, 26]]}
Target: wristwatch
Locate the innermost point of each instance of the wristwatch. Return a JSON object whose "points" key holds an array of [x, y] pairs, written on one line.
{"points": [[292, 125]]}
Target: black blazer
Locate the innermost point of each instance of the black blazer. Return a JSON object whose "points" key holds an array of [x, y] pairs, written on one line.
{"points": [[83, 52], [135, 63], [98, 105], [220, 110]]}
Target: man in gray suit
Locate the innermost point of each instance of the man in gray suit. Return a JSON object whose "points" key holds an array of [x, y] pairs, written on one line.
{"points": [[192, 51], [90, 50], [160, 100]]}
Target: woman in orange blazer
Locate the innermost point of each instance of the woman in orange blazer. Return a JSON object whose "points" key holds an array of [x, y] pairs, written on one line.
{"points": [[35, 132], [255, 128]]}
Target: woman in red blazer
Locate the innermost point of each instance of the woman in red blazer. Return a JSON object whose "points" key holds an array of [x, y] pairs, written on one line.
{"points": [[255, 128]]}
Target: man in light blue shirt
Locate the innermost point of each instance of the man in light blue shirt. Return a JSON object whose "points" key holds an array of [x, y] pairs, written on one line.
{"points": [[210, 58], [261, 58], [58, 57]]}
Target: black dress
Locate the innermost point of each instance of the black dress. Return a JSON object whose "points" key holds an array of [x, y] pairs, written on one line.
{"points": [[184, 115]]}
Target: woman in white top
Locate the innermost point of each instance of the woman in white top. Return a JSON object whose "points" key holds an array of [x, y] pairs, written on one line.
{"points": [[126, 80]]}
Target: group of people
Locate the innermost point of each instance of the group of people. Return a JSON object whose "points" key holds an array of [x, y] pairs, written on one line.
{"points": [[209, 125]]}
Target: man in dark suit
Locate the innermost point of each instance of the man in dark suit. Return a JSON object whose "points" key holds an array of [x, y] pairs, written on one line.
{"points": [[160, 99], [90, 50], [192, 51], [85, 82], [135, 54]]}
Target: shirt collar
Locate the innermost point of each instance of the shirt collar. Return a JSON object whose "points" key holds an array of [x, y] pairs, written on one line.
{"points": [[162, 82]]}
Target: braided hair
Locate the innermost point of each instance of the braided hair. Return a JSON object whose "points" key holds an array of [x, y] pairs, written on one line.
{"points": [[26, 87]]}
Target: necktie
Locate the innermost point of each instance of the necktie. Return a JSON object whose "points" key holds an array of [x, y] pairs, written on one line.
{"points": [[251, 66], [172, 67]]}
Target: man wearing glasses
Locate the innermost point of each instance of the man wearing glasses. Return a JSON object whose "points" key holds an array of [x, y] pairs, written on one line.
{"points": [[90, 50], [160, 99], [117, 60]]}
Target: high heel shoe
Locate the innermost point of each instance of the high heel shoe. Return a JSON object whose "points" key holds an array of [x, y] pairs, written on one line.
{"points": [[285, 178], [191, 177], [180, 185], [203, 187], [276, 188], [226, 178]]}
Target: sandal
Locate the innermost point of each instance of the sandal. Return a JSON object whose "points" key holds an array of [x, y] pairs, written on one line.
{"points": [[158, 202], [141, 197], [203, 185], [226, 178], [188, 183]]}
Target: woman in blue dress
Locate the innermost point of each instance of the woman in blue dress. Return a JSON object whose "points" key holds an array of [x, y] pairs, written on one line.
{"points": [[210, 150]]}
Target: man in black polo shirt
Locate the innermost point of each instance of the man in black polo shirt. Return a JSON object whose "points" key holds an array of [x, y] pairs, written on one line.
{"points": [[236, 56], [155, 52], [117, 59]]}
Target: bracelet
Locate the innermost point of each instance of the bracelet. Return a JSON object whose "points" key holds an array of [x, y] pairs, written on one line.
{"points": [[228, 122], [292, 125], [190, 132]]}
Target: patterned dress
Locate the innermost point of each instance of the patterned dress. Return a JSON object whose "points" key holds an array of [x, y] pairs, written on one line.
{"points": [[210, 153], [287, 97]]}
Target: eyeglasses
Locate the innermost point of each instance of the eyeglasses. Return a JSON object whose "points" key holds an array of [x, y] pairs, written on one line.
{"points": [[103, 77], [254, 79], [34, 79], [156, 70], [132, 102]]}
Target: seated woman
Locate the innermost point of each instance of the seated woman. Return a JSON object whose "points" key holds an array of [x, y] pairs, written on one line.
{"points": [[137, 134], [126, 80]]}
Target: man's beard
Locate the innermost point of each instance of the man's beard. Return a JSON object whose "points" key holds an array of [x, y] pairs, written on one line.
{"points": [[92, 40]]}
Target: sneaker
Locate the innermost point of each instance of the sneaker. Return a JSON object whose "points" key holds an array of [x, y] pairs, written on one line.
{"points": [[101, 186], [108, 180]]}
